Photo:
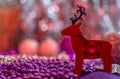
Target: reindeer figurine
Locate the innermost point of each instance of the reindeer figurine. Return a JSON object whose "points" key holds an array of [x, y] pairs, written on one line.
{"points": [[87, 49]]}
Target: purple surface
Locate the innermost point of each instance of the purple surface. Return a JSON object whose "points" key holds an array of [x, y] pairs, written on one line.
{"points": [[100, 75]]}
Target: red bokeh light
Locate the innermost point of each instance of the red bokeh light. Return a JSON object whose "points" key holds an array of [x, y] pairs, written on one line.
{"points": [[101, 11]]}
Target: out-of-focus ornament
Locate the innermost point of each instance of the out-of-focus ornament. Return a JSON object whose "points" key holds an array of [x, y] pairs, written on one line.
{"points": [[66, 46], [48, 47], [115, 68], [28, 47], [9, 17]]}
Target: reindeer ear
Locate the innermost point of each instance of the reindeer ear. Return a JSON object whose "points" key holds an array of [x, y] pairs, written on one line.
{"points": [[78, 24]]}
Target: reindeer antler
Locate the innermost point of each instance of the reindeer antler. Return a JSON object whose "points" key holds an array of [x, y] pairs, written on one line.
{"points": [[81, 12]]}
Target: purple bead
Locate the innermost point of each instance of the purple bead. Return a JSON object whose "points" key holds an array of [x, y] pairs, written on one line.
{"points": [[2, 77], [51, 77], [53, 73], [36, 74], [37, 77], [66, 76], [18, 78], [60, 73]]}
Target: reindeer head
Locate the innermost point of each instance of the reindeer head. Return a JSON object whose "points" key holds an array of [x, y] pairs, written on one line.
{"points": [[74, 28]]}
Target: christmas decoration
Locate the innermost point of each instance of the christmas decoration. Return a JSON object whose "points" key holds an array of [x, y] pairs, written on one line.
{"points": [[23, 66], [34, 67], [48, 47], [9, 18], [87, 49], [28, 47], [37, 17]]}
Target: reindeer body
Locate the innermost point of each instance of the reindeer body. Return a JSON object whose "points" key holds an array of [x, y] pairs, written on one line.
{"points": [[88, 49]]}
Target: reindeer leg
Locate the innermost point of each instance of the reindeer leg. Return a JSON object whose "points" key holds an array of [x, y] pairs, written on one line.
{"points": [[107, 64], [107, 60], [78, 65]]}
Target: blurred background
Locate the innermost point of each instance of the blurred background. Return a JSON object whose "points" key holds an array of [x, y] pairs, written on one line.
{"points": [[33, 27]]}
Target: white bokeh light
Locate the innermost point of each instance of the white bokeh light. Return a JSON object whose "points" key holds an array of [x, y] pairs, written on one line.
{"points": [[51, 10], [32, 14], [23, 1], [44, 27]]}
